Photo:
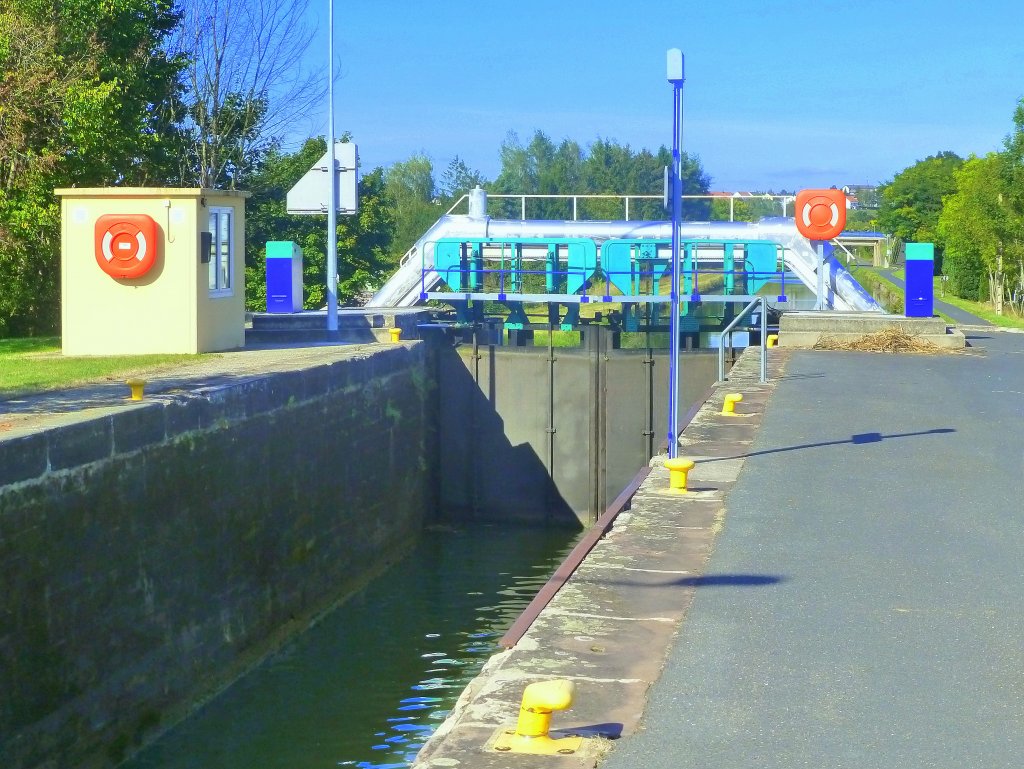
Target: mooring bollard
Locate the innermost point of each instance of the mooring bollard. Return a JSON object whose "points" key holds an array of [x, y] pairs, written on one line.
{"points": [[729, 404], [396, 334], [137, 386], [772, 341], [540, 700], [678, 469]]}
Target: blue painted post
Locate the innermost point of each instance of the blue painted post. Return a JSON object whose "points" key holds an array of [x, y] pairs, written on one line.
{"points": [[675, 76], [920, 292]]}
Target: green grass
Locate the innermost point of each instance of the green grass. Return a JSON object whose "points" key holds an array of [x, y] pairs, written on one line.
{"points": [[981, 309], [35, 364]]}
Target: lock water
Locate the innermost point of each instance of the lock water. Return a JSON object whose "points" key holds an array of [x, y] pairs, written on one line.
{"points": [[373, 679]]}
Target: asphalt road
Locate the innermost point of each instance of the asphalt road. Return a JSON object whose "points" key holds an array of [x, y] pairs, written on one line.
{"points": [[869, 614]]}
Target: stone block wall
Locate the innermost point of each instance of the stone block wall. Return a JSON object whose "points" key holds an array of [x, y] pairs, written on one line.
{"points": [[149, 556]]}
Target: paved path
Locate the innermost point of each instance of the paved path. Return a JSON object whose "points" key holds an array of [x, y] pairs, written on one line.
{"points": [[960, 316], [886, 496], [40, 409]]}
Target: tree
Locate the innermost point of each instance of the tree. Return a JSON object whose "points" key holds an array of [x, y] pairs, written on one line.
{"points": [[244, 85], [979, 230], [411, 188], [911, 202], [458, 179], [82, 83], [605, 168], [364, 240]]}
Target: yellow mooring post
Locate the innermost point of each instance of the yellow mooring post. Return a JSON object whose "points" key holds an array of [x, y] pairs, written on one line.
{"points": [[396, 334], [772, 341], [137, 386], [678, 468], [540, 700], [729, 404]]}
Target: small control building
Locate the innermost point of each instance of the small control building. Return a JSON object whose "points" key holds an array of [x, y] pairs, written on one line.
{"points": [[152, 270]]}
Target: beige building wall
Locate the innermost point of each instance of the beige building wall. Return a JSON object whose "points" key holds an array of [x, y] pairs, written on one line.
{"points": [[170, 309]]}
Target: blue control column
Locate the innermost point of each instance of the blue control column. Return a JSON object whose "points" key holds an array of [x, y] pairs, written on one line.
{"points": [[284, 276], [920, 291]]}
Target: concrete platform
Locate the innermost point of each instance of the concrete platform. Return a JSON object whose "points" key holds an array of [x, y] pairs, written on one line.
{"points": [[355, 325], [805, 329]]}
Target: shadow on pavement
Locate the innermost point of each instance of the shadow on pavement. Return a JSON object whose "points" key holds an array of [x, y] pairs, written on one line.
{"points": [[859, 439]]}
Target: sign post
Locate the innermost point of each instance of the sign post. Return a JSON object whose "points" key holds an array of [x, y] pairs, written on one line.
{"points": [[820, 216], [675, 77]]}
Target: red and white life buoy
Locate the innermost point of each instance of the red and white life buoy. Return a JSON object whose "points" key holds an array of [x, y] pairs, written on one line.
{"points": [[126, 244], [820, 214]]}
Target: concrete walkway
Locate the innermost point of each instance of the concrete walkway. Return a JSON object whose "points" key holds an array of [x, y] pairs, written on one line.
{"points": [[960, 316], [862, 608], [38, 410]]}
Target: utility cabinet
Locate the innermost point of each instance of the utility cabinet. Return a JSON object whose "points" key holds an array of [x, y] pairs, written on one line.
{"points": [[284, 276], [920, 290]]}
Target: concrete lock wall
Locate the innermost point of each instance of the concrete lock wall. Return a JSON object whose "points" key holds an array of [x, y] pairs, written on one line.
{"points": [[533, 438], [161, 551]]}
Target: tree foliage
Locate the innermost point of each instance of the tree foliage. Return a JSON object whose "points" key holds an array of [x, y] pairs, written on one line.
{"points": [[912, 201], [81, 82], [606, 167], [244, 85], [364, 240]]}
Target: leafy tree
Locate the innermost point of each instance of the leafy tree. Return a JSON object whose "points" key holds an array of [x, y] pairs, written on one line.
{"points": [[412, 191], [976, 226], [605, 168], [912, 201], [457, 180], [244, 84], [81, 85], [364, 239]]}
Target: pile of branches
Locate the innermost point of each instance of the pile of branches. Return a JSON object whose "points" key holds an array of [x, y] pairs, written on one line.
{"points": [[891, 340]]}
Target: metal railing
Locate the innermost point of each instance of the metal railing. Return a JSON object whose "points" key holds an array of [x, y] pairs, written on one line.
{"points": [[763, 301]]}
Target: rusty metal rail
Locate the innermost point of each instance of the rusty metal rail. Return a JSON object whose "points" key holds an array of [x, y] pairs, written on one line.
{"points": [[585, 545]]}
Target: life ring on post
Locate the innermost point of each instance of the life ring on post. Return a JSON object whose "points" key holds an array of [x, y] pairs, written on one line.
{"points": [[820, 214], [126, 244]]}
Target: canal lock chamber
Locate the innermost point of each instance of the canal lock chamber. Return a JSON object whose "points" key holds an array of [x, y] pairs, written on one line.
{"points": [[251, 511]]}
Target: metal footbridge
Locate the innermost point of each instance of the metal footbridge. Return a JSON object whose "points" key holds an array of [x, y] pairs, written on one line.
{"points": [[473, 258]]}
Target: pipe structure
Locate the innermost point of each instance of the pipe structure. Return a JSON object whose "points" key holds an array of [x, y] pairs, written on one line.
{"points": [[416, 273]]}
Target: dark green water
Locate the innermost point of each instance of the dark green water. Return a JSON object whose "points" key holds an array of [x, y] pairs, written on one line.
{"points": [[369, 683]]}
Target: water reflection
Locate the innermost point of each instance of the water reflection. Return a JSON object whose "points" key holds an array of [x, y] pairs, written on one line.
{"points": [[368, 684]]}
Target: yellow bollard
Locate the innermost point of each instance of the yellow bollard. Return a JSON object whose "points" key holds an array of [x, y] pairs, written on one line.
{"points": [[678, 468], [729, 404], [772, 341], [137, 386], [540, 700], [396, 334]]}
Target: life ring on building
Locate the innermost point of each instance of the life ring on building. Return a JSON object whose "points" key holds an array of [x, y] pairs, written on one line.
{"points": [[820, 214], [126, 244]]}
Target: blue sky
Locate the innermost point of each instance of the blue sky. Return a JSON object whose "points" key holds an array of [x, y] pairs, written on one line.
{"points": [[778, 94]]}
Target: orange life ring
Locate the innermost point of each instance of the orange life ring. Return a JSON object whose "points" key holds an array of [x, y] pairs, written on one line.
{"points": [[820, 214], [126, 244]]}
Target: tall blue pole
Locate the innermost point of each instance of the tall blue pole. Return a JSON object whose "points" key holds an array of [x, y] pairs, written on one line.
{"points": [[332, 205], [675, 76]]}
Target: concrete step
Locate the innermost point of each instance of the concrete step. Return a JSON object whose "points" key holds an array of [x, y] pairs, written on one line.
{"points": [[805, 329]]}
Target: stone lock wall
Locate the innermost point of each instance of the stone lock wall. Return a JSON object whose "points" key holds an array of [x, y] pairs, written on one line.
{"points": [[160, 551]]}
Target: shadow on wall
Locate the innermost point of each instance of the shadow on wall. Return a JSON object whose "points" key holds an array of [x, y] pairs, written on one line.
{"points": [[485, 475]]}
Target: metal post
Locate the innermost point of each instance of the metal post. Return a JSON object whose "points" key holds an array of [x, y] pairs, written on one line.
{"points": [[675, 76], [332, 208], [820, 304], [764, 339]]}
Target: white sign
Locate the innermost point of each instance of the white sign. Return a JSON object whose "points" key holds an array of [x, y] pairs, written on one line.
{"points": [[312, 195]]}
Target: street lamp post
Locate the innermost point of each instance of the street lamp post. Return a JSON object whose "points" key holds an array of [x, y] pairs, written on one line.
{"points": [[675, 77], [332, 205]]}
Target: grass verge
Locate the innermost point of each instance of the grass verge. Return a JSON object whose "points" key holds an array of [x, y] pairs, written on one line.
{"points": [[35, 364]]}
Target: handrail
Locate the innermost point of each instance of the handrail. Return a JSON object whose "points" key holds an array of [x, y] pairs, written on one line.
{"points": [[728, 330]]}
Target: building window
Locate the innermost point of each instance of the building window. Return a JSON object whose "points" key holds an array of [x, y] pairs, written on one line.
{"points": [[221, 260]]}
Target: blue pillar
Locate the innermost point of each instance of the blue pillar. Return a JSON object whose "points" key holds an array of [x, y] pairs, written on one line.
{"points": [[920, 290]]}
